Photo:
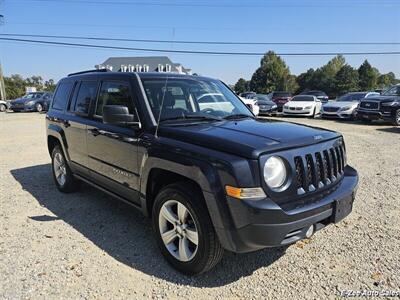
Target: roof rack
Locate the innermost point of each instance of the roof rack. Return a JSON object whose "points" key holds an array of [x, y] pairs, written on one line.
{"points": [[89, 71]]}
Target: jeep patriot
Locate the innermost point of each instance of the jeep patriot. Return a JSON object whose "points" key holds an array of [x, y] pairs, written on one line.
{"points": [[209, 174]]}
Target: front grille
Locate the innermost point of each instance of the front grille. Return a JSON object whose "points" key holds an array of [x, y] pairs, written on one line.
{"points": [[331, 109], [372, 105], [320, 169]]}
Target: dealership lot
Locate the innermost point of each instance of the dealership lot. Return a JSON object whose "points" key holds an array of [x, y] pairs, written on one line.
{"points": [[87, 245]]}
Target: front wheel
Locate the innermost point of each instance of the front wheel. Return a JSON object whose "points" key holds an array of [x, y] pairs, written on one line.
{"points": [[396, 121], [3, 107], [39, 107], [62, 174], [184, 230]]}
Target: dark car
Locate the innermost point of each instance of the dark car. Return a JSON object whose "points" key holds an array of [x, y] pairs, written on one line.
{"points": [[267, 106], [210, 179], [36, 101], [280, 98], [319, 94], [385, 107]]}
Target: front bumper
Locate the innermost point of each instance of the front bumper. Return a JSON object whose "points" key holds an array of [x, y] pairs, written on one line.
{"points": [[263, 223], [374, 115], [303, 112]]}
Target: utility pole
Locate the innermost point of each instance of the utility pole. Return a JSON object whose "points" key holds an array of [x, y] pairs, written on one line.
{"points": [[2, 86]]}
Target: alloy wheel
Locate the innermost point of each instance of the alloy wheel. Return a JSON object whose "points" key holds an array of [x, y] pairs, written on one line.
{"points": [[398, 118], [178, 230], [60, 169], [39, 107]]}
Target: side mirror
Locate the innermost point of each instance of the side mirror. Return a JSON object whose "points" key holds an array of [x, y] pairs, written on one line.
{"points": [[119, 115]]}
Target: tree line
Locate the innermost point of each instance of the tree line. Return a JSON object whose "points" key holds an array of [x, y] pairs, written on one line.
{"points": [[334, 78], [16, 85]]}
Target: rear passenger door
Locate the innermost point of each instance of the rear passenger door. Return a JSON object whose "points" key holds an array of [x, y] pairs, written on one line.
{"points": [[112, 150], [78, 111]]}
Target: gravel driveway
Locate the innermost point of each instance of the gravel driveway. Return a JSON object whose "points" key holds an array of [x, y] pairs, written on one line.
{"points": [[87, 245]]}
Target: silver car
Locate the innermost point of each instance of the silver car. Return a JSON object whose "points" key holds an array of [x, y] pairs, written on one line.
{"points": [[345, 107]]}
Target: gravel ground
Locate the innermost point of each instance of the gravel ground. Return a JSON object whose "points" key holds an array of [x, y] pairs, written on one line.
{"points": [[87, 245]]}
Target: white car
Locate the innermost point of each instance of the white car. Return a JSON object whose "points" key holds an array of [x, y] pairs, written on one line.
{"points": [[345, 107], [3, 105], [302, 105], [217, 102], [252, 104]]}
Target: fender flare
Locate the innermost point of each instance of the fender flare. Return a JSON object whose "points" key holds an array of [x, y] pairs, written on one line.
{"points": [[57, 132]]}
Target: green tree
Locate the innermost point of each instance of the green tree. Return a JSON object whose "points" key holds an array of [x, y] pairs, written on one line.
{"points": [[368, 76], [346, 80], [49, 85], [15, 86], [386, 80], [306, 80], [241, 86], [272, 75]]}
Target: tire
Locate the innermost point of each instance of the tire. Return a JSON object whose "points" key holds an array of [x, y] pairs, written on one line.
{"points": [[197, 258], [313, 115], [3, 107], [62, 174], [396, 121], [39, 107]]}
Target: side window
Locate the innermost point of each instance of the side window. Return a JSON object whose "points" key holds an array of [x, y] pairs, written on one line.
{"points": [[114, 93], [86, 94], [62, 95]]}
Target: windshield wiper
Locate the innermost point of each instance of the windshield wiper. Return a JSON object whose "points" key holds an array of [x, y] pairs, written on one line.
{"points": [[192, 117], [238, 116]]}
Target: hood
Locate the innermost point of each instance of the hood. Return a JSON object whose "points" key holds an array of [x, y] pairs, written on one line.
{"points": [[266, 102], [382, 98], [340, 104], [300, 103], [248, 138], [21, 100]]}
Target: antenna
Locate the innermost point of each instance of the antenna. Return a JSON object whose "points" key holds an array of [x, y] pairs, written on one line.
{"points": [[165, 87]]}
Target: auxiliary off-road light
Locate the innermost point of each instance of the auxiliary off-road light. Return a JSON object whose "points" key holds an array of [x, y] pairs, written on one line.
{"points": [[245, 193]]}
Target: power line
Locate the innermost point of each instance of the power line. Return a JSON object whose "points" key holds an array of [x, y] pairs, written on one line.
{"points": [[225, 5], [193, 42], [191, 51]]}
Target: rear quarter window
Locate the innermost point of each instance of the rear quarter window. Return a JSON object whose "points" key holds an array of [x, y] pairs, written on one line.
{"points": [[62, 95]]}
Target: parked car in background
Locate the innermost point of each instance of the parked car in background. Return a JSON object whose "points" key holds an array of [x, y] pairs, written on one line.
{"points": [[208, 180], [252, 105], [319, 94], [248, 95], [384, 107], [345, 107], [280, 98], [3, 106], [37, 101], [303, 105], [267, 106]]}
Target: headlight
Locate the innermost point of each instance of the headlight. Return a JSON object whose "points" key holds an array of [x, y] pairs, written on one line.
{"points": [[393, 103], [275, 172], [308, 107], [274, 106]]}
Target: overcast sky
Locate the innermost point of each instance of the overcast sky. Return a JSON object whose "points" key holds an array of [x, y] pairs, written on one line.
{"points": [[219, 20]]}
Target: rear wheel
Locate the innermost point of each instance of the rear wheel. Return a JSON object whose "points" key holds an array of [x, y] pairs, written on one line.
{"points": [[396, 121], [184, 230], [62, 174], [3, 107]]}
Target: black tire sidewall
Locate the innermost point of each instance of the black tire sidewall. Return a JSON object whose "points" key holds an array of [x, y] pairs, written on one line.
{"points": [[203, 223], [395, 123], [69, 182]]}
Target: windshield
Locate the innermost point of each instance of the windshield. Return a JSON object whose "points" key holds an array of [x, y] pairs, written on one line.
{"points": [[29, 96], [314, 93], [187, 99], [282, 94], [352, 97], [394, 91], [303, 98]]}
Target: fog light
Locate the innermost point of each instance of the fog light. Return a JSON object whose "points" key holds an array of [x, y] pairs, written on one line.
{"points": [[310, 231]]}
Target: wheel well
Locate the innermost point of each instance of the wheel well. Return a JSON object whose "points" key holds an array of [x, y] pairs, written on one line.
{"points": [[51, 143], [159, 178]]}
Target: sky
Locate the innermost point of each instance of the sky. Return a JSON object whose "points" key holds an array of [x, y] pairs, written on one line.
{"points": [[195, 20]]}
